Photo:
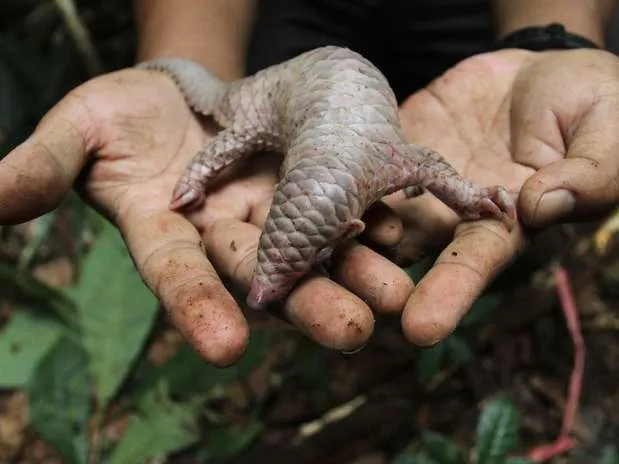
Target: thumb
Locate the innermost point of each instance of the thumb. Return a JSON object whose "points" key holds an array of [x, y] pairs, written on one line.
{"points": [[566, 128], [37, 174], [585, 183]]}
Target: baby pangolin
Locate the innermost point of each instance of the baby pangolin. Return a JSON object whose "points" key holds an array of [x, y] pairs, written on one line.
{"points": [[334, 117]]}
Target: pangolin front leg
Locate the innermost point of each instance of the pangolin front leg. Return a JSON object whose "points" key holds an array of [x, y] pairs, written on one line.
{"points": [[226, 148], [244, 132]]}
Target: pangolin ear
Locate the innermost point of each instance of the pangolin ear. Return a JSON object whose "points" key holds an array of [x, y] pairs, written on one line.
{"points": [[351, 229]]}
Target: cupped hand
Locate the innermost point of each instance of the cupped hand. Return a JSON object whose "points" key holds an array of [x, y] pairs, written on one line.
{"points": [[123, 140], [546, 126]]}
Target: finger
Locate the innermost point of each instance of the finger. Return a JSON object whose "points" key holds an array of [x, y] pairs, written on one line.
{"points": [[330, 315], [460, 274], [383, 227], [380, 283], [320, 308], [170, 255], [576, 189], [585, 184], [36, 175]]}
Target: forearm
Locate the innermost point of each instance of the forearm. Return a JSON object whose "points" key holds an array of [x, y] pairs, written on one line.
{"points": [[588, 18], [211, 32]]}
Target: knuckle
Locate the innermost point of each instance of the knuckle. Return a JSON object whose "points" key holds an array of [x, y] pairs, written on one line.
{"points": [[243, 270], [232, 251], [167, 268], [76, 118]]}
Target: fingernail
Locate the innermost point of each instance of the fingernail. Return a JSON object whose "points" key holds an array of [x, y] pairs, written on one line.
{"points": [[353, 351], [554, 206]]}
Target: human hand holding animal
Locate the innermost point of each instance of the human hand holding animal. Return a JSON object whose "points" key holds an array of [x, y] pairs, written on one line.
{"points": [[123, 140], [333, 116], [544, 125]]}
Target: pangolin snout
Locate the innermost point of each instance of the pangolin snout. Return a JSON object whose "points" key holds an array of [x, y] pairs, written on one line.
{"points": [[269, 288], [261, 296]]}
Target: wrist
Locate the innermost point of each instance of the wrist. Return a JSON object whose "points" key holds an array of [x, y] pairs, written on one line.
{"points": [[213, 33], [542, 38], [586, 19]]}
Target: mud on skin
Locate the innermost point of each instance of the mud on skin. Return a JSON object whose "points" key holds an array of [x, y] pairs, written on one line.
{"points": [[334, 117]]}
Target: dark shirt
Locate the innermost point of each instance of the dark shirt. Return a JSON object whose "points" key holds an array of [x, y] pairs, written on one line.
{"points": [[411, 42]]}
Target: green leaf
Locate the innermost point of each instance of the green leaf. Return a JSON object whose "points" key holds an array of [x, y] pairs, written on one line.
{"points": [[497, 431], [187, 373], [159, 428], [430, 362], [84, 221], [230, 441], [32, 292], [23, 342], [480, 311], [309, 367], [609, 456], [419, 269], [59, 399], [117, 312], [519, 460], [442, 449], [459, 350]]}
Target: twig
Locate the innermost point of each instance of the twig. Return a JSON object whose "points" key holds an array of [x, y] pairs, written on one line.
{"points": [[80, 36], [565, 442]]}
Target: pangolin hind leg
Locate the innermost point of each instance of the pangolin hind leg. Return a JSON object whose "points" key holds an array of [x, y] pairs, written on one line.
{"points": [[425, 169]]}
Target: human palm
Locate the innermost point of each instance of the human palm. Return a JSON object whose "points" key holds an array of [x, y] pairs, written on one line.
{"points": [[464, 115], [518, 119]]}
